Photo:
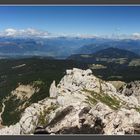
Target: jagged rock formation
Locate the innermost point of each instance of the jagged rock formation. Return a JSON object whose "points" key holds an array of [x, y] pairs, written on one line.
{"points": [[132, 89], [81, 103]]}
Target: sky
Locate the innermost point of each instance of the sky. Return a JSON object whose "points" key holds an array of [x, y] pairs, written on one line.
{"points": [[92, 20]]}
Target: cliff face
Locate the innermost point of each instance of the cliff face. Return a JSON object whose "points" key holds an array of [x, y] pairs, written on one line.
{"points": [[80, 104]]}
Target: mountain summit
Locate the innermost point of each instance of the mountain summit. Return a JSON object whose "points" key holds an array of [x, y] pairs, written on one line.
{"points": [[81, 103]]}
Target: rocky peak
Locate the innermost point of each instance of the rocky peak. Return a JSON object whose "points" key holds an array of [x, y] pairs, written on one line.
{"points": [[81, 103]]}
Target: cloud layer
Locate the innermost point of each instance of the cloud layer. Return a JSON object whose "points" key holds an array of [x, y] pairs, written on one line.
{"points": [[29, 32]]}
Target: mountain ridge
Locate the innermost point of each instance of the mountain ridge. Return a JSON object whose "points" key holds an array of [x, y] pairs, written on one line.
{"points": [[126, 44], [106, 53], [80, 104], [66, 46]]}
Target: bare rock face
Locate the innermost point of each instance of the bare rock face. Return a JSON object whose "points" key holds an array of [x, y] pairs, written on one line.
{"points": [[81, 104], [24, 91], [117, 84], [11, 130], [122, 122], [76, 119], [36, 115], [73, 121], [132, 89]]}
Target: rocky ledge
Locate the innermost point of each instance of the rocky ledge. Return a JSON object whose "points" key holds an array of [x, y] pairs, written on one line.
{"points": [[80, 104]]}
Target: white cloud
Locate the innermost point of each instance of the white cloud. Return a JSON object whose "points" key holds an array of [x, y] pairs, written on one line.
{"points": [[10, 32], [29, 32], [136, 35]]}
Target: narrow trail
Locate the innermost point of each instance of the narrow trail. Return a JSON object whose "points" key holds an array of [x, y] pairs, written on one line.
{"points": [[3, 107]]}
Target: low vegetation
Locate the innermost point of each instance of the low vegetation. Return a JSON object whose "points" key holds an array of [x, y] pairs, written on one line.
{"points": [[43, 120], [137, 109], [110, 101], [42, 72], [37, 72]]}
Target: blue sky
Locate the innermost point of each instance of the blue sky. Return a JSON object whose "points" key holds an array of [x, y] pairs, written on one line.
{"points": [[96, 20]]}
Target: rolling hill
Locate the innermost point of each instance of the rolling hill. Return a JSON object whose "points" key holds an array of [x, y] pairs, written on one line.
{"points": [[108, 53], [126, 44], [112, 64]]}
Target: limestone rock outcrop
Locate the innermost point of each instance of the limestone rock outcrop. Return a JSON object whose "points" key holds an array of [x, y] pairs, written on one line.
{"points": [[80, 104], [132, 89]]}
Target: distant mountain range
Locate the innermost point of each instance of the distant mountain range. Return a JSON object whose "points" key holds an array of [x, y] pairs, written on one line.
{"points": [[55, 47], [62, 47], [108, 53], [126, 44]]}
